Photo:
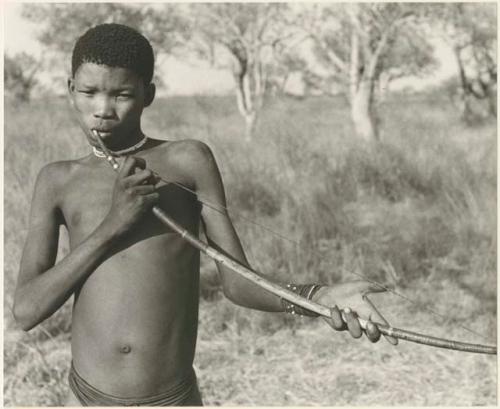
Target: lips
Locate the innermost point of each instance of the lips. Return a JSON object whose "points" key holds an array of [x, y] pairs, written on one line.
{"points": [[103, 132]]}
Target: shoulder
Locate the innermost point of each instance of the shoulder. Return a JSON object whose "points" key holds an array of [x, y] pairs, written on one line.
{"points": [[190, 154], [191, 148], [55, 172], [53, 177]]}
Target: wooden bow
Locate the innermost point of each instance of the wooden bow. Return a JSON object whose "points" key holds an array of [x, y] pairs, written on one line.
{"points": [[288, 295]]}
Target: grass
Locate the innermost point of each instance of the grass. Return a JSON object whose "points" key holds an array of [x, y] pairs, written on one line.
{"points": [[418, 210]]}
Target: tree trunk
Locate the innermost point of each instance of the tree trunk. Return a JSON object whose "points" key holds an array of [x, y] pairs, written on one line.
{"points": [[466, 95], [362, 112], [250, 122], [244, 103], [248, 102]]}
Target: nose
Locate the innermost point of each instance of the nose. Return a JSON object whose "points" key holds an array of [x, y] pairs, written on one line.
{"points": [[104, 107]]}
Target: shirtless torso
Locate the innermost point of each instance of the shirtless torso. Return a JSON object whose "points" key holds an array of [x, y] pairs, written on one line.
{"points": [[136, 315]]}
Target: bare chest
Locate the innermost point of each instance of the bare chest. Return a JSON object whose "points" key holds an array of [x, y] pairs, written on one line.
{"points": [[88, 199]]}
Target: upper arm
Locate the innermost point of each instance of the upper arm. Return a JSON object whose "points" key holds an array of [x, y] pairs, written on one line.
{"points": [[40, 250], [209, 187], [208, 184]]}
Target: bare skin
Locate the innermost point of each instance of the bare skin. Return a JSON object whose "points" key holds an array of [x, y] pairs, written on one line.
{"points": [[135, 284]]}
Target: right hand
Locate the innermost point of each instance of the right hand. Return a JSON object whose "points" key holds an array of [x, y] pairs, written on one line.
{"points": [[134, 194]]}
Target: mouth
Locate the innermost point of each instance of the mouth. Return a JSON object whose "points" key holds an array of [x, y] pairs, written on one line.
{"points": [[102, 131]]}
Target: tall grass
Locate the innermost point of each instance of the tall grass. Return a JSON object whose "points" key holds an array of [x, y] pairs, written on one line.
{"points": [[417, 210]]}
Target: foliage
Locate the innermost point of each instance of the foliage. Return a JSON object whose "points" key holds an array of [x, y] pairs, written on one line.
{"points": [[361, 46], [62, 23], [20, 75], [392, 41], [471, 30], [256, 38]]}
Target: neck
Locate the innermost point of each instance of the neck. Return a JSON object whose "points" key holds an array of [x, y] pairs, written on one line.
{"points": [[120, 143], [127, 149]]}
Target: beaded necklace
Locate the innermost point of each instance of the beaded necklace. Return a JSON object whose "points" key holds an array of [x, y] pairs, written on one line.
{"points": [[100, 154]]}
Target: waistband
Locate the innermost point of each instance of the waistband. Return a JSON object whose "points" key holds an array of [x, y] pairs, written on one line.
{"points": [[88, 395]]}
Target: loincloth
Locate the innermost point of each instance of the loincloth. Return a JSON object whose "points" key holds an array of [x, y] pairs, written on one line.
{"points": [[185, 392]]}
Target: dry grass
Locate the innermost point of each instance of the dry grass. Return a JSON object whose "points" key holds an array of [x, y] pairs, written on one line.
{"points": [[418, 210]]}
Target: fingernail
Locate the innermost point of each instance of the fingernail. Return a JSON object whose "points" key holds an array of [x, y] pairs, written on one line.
{"points": [[347, 310]]}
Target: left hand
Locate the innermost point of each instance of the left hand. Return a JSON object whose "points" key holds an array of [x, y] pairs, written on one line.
{"points": [[351, 299]]}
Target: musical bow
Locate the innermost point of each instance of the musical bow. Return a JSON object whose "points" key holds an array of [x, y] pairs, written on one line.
{"points": [[278, 290]]}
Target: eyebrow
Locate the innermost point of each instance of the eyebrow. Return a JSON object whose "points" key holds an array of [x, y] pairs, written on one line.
{"points": [[117, 89], [84, 85]]}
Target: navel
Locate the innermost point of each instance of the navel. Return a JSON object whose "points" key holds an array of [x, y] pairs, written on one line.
{"points": [[125, 349]]}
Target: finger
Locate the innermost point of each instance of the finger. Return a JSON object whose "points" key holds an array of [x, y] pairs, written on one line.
{"points": [[391, 340], [139, 162], [352, 323], [156, 178], [139, 178], [148, 201], [336, 321], [377, 317], [128, 166], [142, 190], [152, 198], [372, 332]]}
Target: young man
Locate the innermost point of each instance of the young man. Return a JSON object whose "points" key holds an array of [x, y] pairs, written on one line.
{"points": [[135, 283]]}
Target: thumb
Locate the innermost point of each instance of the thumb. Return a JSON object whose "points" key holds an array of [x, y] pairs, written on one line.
{"points": [[377, 317]]}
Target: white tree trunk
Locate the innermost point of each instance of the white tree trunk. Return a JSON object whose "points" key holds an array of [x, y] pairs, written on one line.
{"points": [[250, 121], [246, 105], [362, 113]]}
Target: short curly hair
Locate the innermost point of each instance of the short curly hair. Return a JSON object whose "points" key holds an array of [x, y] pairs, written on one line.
{"points": [[115, 45]]}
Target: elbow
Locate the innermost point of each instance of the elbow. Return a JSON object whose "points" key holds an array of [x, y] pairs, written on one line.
{"points": [[237, 297], [231, 294], [24, 316]]}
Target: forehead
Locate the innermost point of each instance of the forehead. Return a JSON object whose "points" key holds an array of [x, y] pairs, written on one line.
{"points": [[103, 75]]}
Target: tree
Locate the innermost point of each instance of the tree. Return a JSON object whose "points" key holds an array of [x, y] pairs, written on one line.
{"points": [[20, 75], [62, 24], [252, 35], [362, 45], [471, 31]]}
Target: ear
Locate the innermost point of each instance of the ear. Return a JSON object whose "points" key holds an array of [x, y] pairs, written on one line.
{"points": [[71, 90], [149, 94]]}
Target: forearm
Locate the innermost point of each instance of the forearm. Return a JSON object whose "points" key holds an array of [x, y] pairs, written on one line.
{"points": [[38, 298], [247, 294], [240, 290]]}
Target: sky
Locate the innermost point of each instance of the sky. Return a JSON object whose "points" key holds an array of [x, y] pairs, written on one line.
{"points": [[182, 78]]}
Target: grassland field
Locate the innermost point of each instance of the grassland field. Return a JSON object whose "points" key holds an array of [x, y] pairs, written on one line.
{"points": [[416, 210]]}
